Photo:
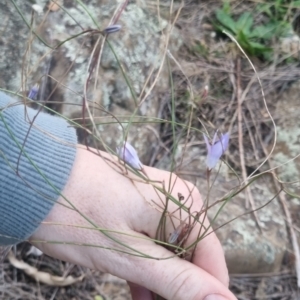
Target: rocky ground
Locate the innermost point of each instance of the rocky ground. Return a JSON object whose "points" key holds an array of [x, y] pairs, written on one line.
{"points": [[214, 87]]}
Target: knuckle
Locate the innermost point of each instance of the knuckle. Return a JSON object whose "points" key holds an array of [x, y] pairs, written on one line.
{"points": [[179, 287]]}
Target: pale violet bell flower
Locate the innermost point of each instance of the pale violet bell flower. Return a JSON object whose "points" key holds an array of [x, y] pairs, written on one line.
{"points": [[129, 155], [215, 149], [33, 92]]}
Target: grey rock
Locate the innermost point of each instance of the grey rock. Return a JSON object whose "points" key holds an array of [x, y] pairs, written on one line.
{"points": [[288, 138], [139, 46], [287, 150]]}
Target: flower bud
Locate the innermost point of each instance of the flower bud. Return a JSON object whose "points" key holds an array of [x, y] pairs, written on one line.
{"points": [[112, 28], [129, 155]]}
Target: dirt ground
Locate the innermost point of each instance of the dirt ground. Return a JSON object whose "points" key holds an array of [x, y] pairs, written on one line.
{"points": [[14, 284]]}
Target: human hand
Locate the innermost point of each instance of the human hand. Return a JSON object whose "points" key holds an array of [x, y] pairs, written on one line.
{"points": [[112, 201]]}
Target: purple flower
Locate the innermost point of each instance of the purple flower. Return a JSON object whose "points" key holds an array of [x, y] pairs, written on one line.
{"points": [[129, 155], [33, 92], [112, 28], [216, 149]]}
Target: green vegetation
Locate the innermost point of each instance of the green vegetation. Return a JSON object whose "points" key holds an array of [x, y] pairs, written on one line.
{"points": [[255, 36]]}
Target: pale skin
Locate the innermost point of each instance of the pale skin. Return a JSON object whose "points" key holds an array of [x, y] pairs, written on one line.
{"points": [[113, 201]]}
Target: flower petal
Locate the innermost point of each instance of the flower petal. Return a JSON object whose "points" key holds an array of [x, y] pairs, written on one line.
{"points": [[208, 146], [129, 155], [33, 92], [216, 150], [225, 141]]}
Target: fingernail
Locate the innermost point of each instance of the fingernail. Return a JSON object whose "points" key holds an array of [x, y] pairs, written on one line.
{"points": [[215, 297]]}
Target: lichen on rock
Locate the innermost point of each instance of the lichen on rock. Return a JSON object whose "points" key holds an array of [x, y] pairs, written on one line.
{"points": [[139, 47]]}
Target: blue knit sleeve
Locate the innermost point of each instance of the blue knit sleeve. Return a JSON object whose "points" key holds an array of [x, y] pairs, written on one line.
{"points": [[34, 167]]}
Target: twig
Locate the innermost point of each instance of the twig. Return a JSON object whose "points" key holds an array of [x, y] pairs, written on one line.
{"points": [[241, 145], [264, 101], [117, 17]]}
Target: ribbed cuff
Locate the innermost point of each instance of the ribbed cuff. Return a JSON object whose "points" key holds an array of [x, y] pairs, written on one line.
{"points": [[31, 179]]}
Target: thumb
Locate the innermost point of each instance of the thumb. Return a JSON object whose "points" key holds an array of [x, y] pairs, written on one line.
{"points": [[175, 278]]}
